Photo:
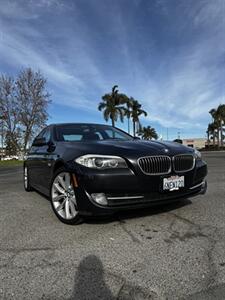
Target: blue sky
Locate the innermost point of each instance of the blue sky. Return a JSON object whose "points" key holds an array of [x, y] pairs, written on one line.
{"points": [[168, 54]]}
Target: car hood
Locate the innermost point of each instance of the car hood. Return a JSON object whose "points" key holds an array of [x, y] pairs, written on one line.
{"points": [[129, 149]]}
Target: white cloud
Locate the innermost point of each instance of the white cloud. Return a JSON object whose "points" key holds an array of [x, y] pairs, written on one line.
{"points": [[18, 52], [67, 65], [193, 81]]}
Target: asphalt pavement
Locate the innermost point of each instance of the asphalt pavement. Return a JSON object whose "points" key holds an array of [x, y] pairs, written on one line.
{"points": [[172, 252]]}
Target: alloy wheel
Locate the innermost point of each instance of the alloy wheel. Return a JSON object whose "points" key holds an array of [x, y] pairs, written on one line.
{"points": [[63, 196]]}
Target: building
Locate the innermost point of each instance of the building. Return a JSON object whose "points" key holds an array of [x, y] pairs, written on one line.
{"points": [[198, 143]]}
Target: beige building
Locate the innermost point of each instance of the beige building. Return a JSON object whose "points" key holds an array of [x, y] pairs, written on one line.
{"points": [[197, 143]]}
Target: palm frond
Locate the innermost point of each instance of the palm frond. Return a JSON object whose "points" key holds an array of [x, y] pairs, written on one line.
{"points": [[101, 106], [106, 114]]}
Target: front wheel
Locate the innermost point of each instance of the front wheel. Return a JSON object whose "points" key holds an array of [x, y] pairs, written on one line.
{"points": [[63, 198]]}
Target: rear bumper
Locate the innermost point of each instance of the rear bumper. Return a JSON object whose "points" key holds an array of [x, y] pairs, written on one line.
{"points": [[127, 190]]}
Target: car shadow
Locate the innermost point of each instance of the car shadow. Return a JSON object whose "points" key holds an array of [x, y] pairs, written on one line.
{"points": [[89, 281], [138, 213]]}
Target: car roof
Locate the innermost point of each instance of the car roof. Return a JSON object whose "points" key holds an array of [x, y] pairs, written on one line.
{"points": [[63, 124]]}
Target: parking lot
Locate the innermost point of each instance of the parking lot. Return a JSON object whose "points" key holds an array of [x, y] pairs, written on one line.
{"points": [[171, 252]]}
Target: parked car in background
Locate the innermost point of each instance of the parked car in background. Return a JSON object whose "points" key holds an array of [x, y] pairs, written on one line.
{"points": [[91, 169], [13, 157]]}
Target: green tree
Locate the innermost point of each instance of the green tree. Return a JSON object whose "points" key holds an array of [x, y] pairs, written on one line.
{"points": [[135, 112], [148, 133], [12, 143], [112, 105]]}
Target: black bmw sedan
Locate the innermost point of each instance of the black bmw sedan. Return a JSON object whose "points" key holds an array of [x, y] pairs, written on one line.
{"points": [[91, 169]]}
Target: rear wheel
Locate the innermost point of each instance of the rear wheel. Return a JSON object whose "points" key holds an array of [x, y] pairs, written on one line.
{"points": [[63, 198], [26, 180]]}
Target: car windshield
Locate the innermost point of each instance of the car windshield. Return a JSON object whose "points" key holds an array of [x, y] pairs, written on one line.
{"points": [[83, 133]]}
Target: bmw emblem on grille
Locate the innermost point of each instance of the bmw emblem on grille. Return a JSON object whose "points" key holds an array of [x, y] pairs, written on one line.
{"points": [[166, 150]]}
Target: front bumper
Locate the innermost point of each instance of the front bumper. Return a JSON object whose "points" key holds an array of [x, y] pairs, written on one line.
{"points": [[128, 189]]}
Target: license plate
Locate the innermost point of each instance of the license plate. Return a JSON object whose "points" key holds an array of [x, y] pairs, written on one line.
{"points": [[173, 183]]}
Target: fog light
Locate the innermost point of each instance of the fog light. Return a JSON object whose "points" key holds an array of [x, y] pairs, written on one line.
{"points": [[100, 198]]}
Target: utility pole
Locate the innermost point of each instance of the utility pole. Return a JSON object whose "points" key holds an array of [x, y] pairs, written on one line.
{"points": [[167, 133], [178, 135]]}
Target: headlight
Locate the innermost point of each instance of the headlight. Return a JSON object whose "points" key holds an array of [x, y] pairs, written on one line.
{"points": [[96, 161], [197, 154]]}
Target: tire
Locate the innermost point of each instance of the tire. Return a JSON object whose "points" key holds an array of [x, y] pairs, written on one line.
{"points": [[26, 179], [63, 198]]}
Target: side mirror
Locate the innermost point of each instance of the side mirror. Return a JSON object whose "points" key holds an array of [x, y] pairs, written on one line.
{"points": [[178, 141], [39, 142]]}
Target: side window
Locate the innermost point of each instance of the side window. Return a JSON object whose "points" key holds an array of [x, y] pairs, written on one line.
{"points": [[113, 134], [40, 134], [47, 134]]}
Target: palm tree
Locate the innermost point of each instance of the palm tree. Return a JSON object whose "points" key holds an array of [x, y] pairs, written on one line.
{"points": [[135, 112], [112, 105], [220, 114], [212, 131], [128, 112], [208, 136], [213, 113], [148, 133]]}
